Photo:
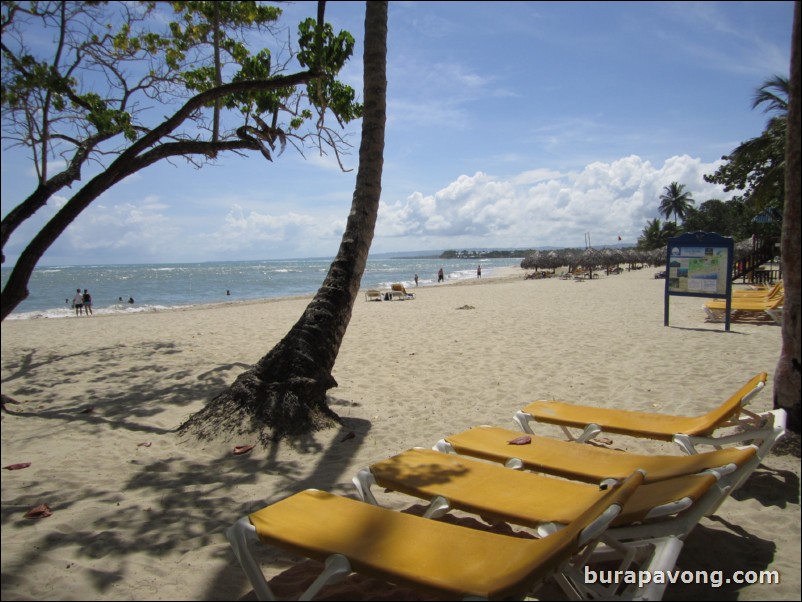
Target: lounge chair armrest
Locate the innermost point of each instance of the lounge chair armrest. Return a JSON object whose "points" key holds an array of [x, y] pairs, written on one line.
{"points": [[444, 447], [523, 420], [768, 434], [363, 481], [670, 508], [594, 530]]}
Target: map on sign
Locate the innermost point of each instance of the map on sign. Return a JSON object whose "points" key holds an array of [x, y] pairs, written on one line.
{"points": [[698, 270]]}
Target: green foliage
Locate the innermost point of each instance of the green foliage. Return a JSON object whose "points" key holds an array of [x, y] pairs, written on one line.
{"points": [[728, 218], [656, 234], [321, 50], [756, 168], [105, 119], [85, 89], [214, 24]]}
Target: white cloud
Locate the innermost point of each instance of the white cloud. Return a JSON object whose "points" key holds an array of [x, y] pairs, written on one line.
{"points": [[542, 207], [537, 207], [124, 230]]}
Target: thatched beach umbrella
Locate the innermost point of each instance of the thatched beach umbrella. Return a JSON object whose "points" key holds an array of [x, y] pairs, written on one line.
{"points": [[554, 260], [611, 258], [533, 261], [657, 257], [570, 257], [590, 259], [631, 256]]}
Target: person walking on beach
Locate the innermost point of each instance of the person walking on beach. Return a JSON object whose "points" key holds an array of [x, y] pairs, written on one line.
{"points": [[78, 302], [479, 271], [416, 280], [440, 276], [87, 303]]}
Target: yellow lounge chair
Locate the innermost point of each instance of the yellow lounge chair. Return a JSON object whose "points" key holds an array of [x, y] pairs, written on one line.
{"points": [[373, 295], [434, 557], [765, 294], [500, 494], [686, 431], [589, 463], [648, 534], [399, 292], [772, 307]]}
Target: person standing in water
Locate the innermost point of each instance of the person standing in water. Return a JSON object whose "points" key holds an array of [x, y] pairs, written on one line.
{"points": [[87, 302], [78, 302]]}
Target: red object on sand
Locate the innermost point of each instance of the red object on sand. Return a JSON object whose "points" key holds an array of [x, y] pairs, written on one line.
{"points": [[242, 449], [19, 466], [40, 511]]}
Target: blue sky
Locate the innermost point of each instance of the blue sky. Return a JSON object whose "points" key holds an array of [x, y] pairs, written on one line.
{"points": [[508, 125]]}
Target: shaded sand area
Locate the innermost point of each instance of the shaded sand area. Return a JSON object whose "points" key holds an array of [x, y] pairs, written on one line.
{"points": [[139, 513]]}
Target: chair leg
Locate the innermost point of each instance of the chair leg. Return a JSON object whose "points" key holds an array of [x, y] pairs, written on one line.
{"points": [[238, 535], [363, 481], [337, 568]]}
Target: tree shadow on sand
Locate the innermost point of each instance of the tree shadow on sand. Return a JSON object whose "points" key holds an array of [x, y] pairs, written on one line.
{"points": [[187, 507], [132, 388], [182, 506]]}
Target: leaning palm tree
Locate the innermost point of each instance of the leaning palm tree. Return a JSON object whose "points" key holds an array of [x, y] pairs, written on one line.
{"points": [[284, 394], [675, 200]]}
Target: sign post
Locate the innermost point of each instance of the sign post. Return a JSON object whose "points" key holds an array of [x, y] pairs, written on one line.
{"points": [[699, 265]]}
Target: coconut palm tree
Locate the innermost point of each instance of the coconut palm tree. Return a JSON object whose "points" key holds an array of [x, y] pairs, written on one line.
{"points": [[773, 95], [284, 394], [787, 374], [675, 200]]}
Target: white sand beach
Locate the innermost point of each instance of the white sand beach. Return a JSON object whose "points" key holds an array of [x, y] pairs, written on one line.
{"points": [[139, 513]]}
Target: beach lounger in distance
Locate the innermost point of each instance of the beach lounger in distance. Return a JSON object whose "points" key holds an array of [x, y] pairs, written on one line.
{"points": [[398, 291], [434, 557]]}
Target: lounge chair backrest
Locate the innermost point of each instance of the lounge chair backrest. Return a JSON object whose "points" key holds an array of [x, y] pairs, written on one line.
{"points": [[732, 407]]}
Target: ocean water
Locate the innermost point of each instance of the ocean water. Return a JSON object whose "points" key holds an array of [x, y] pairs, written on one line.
{"points": [[155, 287]]}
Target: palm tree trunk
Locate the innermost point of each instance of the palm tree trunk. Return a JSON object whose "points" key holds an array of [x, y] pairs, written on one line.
{"points": [[787, 377], [284, 394]]}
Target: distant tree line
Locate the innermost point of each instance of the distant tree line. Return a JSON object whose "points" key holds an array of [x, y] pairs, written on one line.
{"points": [[491, 254]]}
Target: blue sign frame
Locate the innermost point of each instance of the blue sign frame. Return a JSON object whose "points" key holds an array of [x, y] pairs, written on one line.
{"points": [[699, 265]]}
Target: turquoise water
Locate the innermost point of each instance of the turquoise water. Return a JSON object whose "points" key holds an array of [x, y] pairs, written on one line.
{"points": [[163, 286]]}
